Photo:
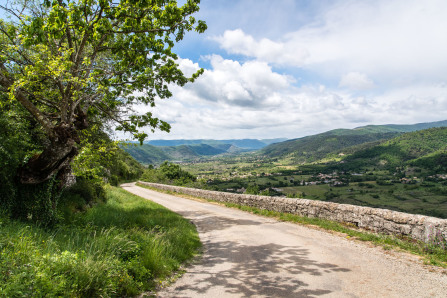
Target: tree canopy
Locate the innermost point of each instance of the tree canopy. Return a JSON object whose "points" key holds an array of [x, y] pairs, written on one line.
{"points": [[71, 63]]}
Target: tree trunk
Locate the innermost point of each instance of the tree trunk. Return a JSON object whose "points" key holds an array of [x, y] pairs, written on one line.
{"points": [[54, 160]]}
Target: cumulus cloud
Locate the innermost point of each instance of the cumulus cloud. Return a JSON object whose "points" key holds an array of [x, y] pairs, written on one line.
{"points": [[248, 84], [187, 66], [237, 42]]}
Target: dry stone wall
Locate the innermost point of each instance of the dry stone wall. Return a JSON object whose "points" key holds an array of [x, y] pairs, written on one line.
{"points": [[419, 227]]}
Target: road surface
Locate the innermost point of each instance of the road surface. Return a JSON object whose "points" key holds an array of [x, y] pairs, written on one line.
{"points": [[246, 255]]}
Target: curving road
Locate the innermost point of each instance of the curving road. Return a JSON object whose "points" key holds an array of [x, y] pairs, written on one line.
{"points": [[251, 256]]}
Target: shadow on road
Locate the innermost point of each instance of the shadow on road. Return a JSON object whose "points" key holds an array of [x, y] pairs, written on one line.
{"points": [[271, 270], [207, 222]]}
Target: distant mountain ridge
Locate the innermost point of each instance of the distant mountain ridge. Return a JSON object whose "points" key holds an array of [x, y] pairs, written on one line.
{"points": [[314, 148], [323, 145], [250, 144], [403, 127], [150, 154]]}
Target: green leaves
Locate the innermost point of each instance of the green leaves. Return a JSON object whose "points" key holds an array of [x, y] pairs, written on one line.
{"points": [[145, 120], [168, 173], [103, 56]]}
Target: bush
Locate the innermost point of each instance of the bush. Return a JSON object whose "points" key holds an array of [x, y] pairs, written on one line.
{"points": [[80, 196], [168, 173], [252, 189], [37, 203], [16, 146]]}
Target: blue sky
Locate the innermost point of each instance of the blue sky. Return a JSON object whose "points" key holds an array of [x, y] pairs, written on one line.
{"points": [[289, 68]]}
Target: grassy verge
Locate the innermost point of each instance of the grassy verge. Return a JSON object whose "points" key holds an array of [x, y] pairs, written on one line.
{"points": [[432, 254], [119, 248]]}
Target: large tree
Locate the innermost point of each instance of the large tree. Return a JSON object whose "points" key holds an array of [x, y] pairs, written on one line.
{"points": [[71, 62]]}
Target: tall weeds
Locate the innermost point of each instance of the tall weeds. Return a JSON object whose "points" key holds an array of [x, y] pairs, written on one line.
{"points": [[119, 248]]}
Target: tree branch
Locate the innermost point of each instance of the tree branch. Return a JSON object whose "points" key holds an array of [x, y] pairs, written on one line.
{"points": [[22, 97]]}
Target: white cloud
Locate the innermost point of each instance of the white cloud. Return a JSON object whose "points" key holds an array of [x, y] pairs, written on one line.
{"points": [[248, 84], [356, 81], [237, 42], [187, 66]]}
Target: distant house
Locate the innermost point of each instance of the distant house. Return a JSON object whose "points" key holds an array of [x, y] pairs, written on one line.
{"points": [[413, 180], [337, 183], [311, 183]]}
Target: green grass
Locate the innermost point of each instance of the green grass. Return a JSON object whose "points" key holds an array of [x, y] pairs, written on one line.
{"points": [[432, 254], [120, 248]]}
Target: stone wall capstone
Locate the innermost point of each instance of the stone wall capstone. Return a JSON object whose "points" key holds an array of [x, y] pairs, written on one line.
{"points": [[385, 221]]}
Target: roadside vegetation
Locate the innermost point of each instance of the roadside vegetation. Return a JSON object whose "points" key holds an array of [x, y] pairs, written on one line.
{"points": [[90, 239], [86, 238], [118, 248], [169, 173]]}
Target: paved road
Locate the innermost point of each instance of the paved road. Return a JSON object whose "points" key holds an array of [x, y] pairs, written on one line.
{"points": [[251, 256]]}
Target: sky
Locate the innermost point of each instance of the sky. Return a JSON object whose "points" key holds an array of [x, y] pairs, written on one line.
{"points": [[291, 68]]}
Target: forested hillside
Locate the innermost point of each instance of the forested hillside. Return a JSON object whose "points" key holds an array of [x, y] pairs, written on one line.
{"points": [[332, 145], [250, 144], [425, 148], [339, 141], [317, 147], [149, 154]]}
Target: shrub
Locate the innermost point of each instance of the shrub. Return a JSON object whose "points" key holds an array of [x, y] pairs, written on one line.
{"points": [[169, 173], [80, 196], [16, 146]]}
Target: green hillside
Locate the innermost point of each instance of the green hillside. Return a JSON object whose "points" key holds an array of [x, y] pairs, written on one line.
{"points": [[425, 148], [313, 148], [402, 128], [249, 144], [149, 154], [331, 143], [185, 152], [207, 150]]}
